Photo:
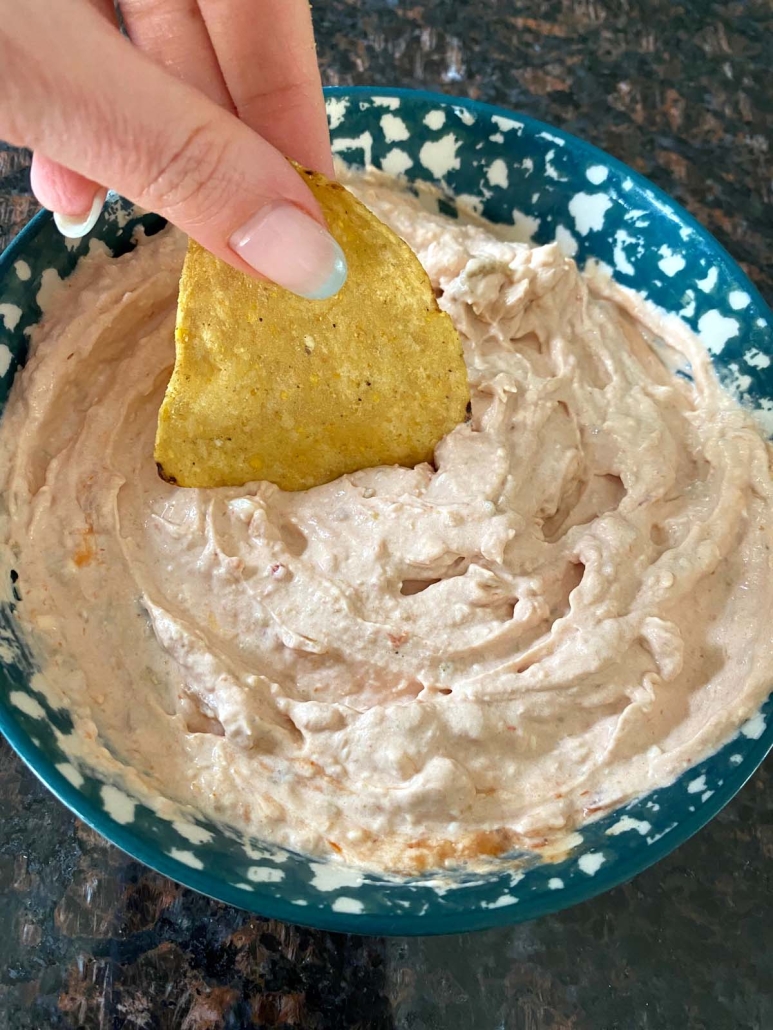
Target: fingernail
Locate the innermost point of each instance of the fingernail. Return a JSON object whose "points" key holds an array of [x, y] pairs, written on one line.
{"points": [[286, 245], [75, 226]]}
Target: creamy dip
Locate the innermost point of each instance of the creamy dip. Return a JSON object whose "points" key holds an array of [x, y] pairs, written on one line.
{"points": [[406, 667]]}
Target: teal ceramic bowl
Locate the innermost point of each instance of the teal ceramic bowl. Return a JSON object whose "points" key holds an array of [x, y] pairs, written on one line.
{"points": [[551, 186]]}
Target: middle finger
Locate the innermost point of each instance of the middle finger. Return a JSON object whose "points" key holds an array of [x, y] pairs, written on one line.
{"points": [[173, 33]]}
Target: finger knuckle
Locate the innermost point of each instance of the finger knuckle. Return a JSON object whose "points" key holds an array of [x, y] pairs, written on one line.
{"points": [[188, 174]]}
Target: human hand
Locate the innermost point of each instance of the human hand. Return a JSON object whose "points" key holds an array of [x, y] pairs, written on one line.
{"points": [[193, 122]]}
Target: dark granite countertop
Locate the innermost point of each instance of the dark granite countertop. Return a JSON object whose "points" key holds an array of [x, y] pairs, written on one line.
{"points": [[88, 938]]}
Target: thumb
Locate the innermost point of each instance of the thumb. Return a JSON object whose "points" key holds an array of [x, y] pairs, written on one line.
{"points": [[115, 117]]}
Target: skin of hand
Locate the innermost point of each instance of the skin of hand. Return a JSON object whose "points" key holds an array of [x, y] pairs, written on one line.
{"points": [[193, 117]]}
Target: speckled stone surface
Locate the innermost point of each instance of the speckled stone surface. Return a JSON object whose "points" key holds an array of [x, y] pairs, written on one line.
{"points": [[91, 939]]}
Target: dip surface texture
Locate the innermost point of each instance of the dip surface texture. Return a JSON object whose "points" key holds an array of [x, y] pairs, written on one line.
{"points": [[405, 667]]}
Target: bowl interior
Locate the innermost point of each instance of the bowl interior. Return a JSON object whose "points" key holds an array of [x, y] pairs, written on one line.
{"points": [[546, 185]]}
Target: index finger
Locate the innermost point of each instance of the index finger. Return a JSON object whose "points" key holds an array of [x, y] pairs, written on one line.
{"points": [[269, 61]]}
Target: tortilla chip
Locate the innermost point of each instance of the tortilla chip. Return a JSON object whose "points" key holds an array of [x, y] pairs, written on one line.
{"points": [[269, 386]]}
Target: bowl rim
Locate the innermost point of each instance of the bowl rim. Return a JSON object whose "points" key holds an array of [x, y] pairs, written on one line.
{"points": [[262, 901]]}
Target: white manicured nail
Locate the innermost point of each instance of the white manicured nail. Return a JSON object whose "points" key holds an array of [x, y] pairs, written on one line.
{"points": [[75, 226], [288, 246]]}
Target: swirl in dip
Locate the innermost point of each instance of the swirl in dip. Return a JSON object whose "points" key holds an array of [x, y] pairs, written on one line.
{"points": [[405, 667]]}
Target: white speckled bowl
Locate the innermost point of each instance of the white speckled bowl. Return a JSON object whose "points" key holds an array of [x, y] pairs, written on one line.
{"points": [[550, 186]]}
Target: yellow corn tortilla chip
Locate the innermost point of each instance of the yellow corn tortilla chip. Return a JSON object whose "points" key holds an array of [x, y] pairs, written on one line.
{"points": [[267, 385]]}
